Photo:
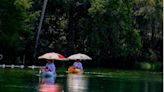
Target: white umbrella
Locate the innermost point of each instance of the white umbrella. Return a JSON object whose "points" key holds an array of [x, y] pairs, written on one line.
{"points": [[79, 56], [1, 56]]}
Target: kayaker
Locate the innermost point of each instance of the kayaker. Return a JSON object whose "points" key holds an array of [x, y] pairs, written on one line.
{"points": [[78, 64], [49, 68], [77, 67]]}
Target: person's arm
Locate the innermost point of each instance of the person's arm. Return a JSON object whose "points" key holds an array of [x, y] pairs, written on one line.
{"points": [[44, 69], [46, 66], [81, 66], [74, 64]]}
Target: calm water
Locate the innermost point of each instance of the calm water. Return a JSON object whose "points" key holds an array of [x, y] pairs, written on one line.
{"points": [[21, 81]]}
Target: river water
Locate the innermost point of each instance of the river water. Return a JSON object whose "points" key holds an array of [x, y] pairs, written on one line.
{"points": [[26, 81]]}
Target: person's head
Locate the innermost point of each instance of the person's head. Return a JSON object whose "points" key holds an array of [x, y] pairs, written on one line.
{"points": [[49, 61], [78, 60]]}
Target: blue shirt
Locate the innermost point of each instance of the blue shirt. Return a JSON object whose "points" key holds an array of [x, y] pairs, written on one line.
{"points": [[78, 65], [51, 67]]}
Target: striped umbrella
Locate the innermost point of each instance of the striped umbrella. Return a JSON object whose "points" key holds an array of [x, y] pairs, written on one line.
{"points": [[52, 56]]}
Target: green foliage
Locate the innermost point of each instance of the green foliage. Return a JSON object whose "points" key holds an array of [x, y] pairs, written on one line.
{"points": [[145, 65], [15, 26], [110, 29], [148, 20], [154, 65], [107, 30], [98, 6]]}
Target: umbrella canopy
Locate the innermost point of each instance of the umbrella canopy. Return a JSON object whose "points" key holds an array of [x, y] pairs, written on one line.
{"points": [[79, 56], [52, 56], [1, 56]]}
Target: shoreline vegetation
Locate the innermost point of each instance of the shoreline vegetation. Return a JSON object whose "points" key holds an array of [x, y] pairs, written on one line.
{"points": [[114, 33]]}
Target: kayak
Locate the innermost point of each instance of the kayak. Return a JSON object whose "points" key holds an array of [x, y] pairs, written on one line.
{"points": [[73, 69], [47, 74]]}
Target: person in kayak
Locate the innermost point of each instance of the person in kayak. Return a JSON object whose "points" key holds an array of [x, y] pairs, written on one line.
{"points": [[77, 67], [49, 68], [78, 64]]}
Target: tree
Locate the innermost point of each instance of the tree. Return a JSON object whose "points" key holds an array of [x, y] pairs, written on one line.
{"points": [[15, 26], [148, 20], [108, 33]]}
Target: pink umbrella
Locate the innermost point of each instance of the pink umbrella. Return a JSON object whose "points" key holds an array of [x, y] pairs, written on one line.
{"points": [[52, 55]]}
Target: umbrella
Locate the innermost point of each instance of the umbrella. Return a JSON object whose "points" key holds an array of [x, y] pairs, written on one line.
{"points": [[79, 56], [1, 56], [52, 55]]}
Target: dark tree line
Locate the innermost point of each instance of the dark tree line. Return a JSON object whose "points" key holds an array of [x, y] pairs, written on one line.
{"points": [[115, 33]]}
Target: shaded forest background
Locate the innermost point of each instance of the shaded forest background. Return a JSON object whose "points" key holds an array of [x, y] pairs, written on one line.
{"points": [[115, 33]]}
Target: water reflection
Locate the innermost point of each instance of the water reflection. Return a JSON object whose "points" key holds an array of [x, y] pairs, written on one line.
{"points": [[77, 83], [106, 84], [47, 84], [12, 80], [47, 80]]}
